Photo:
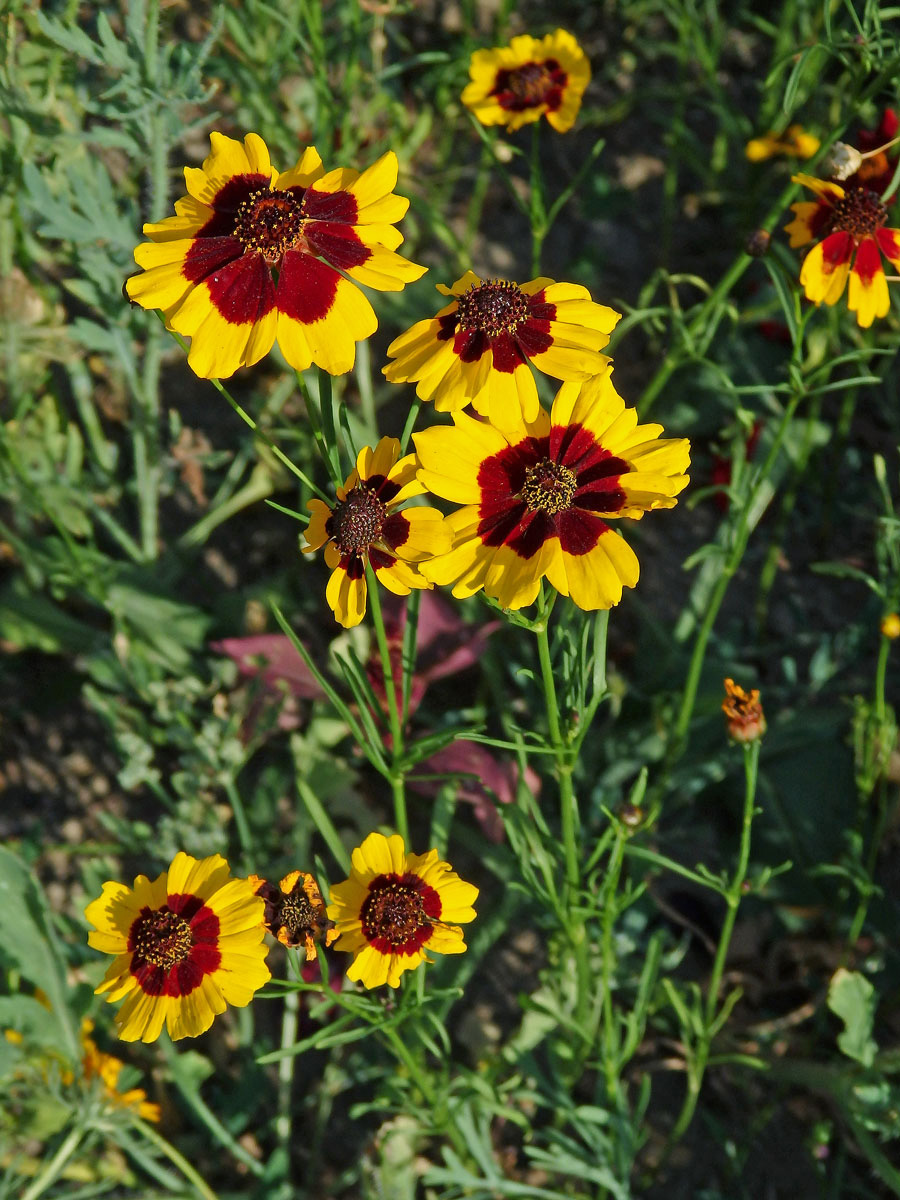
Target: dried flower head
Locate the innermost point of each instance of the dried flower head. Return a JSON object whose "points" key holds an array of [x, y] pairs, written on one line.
{"points": [[842, 161], [295, 911], [745, 719]]}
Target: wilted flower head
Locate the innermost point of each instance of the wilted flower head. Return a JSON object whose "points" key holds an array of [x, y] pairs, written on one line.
{"points": [[743, 712]]}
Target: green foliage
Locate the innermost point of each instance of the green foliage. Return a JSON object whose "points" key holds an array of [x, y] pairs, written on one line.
{"points": [[656, 906]]}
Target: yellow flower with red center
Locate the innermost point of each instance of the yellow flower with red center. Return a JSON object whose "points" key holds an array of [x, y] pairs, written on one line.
{"points": [[395, 908], [516, 84], [295, 911], [538, 497], [96, 1064], [253, 255], [480, 348], [366, 525], [795, 142], [851, 225], [186, 945]]}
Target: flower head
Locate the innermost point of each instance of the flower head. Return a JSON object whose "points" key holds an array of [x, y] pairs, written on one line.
{"points": [[743, 712], [106, 1068], [850, 222], [366, 525], [878, 164], [397, 906], [795, 142], [253, 255], [516, 84], [890, 625], [537, 497], [295, 911], [479, 349], [186, 945]]}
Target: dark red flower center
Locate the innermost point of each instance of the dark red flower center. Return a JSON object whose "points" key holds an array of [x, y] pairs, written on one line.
{"points": [[858, 212], [270, 222], [530, 83], [398, 914], [173, 947], [549, 486], [492, 307], [357, 520], [161, 937]]}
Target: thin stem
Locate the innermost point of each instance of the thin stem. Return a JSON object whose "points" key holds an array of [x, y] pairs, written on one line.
{"points": [[570, 823], [51, 1171], [537, 213], [177, 1160], [201, 1109], [289, 1023], [610, 1039], [729, 568], [322, 820], [697, 1067], [397, 775]]}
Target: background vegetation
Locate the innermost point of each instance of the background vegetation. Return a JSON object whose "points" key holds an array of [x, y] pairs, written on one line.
{"points": [[138, 554]]}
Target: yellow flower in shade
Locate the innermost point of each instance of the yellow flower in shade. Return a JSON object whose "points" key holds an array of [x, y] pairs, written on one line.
{"points": [[538, 497], [96, 1064], [744, 715], [890, 625], [186, 945], [850, 223], [295, 911], [395, 908], [254, 255], [480, 348], [366, 525], [515, 84], [795, 142]]}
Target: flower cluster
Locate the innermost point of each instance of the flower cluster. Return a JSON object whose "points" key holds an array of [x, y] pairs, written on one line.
{"points": [[191, 942]]}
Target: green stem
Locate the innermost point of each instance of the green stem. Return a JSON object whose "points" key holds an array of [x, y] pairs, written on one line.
{"points": [[177, 1160], [289, 1024], [322, 820], [51, 1171], [189, 1091], [729, 568], [570, 823], [266, 440], [697, 1067], [397, 775], [610, 1038], [537, 212]]}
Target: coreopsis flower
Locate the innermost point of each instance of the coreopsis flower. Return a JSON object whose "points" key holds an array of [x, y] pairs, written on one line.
{"points": [[851, 225], [795, 142], [396, 908], [538, 497], [254, 254], [744, 715], [516, 84], [890, 626], [96, 1064], [295, 911], [480, 348], [366, 524], [186, 945]]}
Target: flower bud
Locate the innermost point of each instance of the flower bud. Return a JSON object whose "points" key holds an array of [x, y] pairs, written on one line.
{"points": [[890, 625], [745, 719]]}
